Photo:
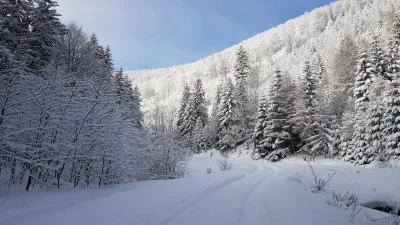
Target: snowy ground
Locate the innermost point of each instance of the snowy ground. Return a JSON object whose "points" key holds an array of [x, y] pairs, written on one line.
{"points": [[253, 193]]}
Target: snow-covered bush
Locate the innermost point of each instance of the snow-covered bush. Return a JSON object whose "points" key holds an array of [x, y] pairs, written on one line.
{"points": [[345, 202], [224, 165], [168, 159], [209, 170], [319, 184]]}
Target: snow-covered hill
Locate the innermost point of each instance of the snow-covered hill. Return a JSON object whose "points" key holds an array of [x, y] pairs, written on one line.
{"points": [[286, 46]]}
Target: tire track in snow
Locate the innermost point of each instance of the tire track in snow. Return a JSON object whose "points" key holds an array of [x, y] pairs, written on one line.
{"points": [[245, 201], [207, 192]]}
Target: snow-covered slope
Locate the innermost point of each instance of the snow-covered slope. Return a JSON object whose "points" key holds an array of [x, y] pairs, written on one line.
{"points": [[286, 46]]}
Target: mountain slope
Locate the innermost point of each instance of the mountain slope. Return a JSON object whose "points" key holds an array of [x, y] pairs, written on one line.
{"points": [[286, 46]]}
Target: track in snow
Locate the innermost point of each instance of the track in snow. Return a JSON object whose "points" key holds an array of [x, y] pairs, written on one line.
{"points": [[233, 203]]}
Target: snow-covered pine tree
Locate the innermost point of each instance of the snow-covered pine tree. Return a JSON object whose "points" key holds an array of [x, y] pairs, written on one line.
{"points": [[214, 119], [364, 75], [374, 131], [316, 135], [346, 130], [189, 119], [229, 121], [258, 135], [184, 103], [276, 139], [378, 59], [198, 140], [241, 73], [343, 66], [45, 29], [391, 121], [199, 101], [393, 54]]}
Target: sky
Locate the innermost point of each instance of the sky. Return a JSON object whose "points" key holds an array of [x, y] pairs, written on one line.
{"points": [[149, 34]]}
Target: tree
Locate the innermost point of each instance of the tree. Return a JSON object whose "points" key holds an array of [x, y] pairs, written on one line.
{"points": [[241, 73], [276, 138], [343, 67], [374, 131], [391, 131], [258, 135], [198, 140], [184, 103], [199, 101], [346, 130], [229, 122], [378, 59], [363, 81], [393, 51], [214, 120], [316, 136], [195, 109]]}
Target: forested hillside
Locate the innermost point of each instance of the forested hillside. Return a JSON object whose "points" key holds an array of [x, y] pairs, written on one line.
{"points": [[320, 32], [325, 84]]}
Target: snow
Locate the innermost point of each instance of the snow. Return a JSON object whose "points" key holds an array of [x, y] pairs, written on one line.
{"points": [[252, 193]]}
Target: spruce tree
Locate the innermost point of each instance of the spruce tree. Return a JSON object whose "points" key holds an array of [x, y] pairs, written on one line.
{"points": [[44, 31], [391, 121], [189, 119], [258, 135], [276, 138], [241, 73], [374, 131], [378, 59], [229, 121], [214, 120], [184, 103], [198, 140], [365, 71], [316, 135], [199, 101], [393, 54], [346, 130]]}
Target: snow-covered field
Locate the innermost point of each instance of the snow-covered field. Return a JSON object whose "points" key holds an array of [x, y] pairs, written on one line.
{"points": [[253, 192]]}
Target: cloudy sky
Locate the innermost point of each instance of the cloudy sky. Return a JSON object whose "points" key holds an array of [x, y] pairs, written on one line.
{"points": [[146, 34]]}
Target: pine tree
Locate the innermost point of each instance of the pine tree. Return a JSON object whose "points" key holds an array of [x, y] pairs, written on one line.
{"points": [[258, 135], [199, 101], [242, 68], [310, 86], [374, 131], [276, 138], [198, 141], [363, 81], [189, 119], [184, 103], [120, 86], [214, 120], [316, 135], [393, 55], [378, 59], [229, 122], [391, 121], [45, 30], [241, 73], [346, 130]]}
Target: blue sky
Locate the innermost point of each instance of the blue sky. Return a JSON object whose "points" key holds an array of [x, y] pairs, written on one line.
{"points": [[147, 34]]}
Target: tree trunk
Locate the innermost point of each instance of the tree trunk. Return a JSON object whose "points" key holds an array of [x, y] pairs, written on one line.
{"points": [[28, 184]]}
